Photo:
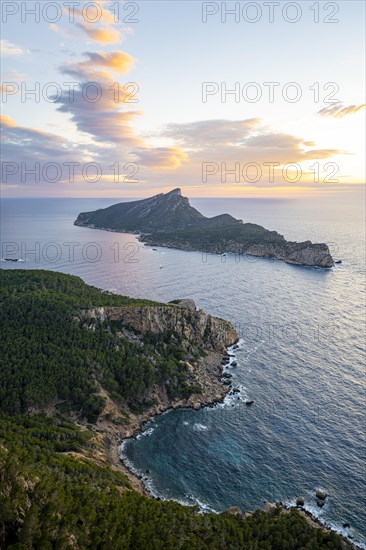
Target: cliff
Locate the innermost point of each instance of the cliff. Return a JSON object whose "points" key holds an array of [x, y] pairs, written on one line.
{"points": [[169, 220], [305, 253], [203, 338], [196, 327]]}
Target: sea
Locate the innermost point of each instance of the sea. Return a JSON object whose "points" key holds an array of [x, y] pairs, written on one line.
{"points": [[301, 355]]}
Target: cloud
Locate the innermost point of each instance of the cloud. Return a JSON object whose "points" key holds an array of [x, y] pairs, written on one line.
{"points": [[98, 23], [227, 144], [19, 142], [8, 49], [248, 139], [104, 35], [108, 122], [119, 62], [102, 120], [339, 110], [119, 144], [7, 121], [109, 118], [24, 147], [207, 133], [56, 160], [161, 158]]}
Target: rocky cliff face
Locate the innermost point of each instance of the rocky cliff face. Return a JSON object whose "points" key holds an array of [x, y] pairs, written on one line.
{"points": [[305, 253], [200, 332], [199, 329]]}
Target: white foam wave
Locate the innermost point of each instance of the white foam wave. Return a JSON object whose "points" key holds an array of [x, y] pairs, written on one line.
{"points": [[200, 427], [146, 433], [203, 506]]}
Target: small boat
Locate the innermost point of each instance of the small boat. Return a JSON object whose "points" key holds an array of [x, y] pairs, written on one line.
{"points": [[249, 402], [161, 267], [11, 259]]}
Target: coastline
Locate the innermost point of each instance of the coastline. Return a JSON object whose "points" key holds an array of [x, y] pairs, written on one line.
{"points": [[213, 394], [210, 373], [305, 254]]}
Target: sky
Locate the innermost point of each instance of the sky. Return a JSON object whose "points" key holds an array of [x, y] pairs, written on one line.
{"points": [[223, 99]]}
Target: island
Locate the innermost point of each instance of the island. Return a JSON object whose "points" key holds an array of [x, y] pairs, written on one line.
{"points": [[82, 368], [168, 220]]}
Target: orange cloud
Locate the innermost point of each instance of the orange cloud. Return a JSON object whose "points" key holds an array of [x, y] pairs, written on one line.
{"points": [[7, 121], [109, 119], [339, 110], [102, 35], [161, 158], [118, 61], [95, 21]]}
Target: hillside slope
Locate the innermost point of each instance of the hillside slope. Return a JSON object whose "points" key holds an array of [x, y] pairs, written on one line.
{"points": [[161, 212], [56, 352]]}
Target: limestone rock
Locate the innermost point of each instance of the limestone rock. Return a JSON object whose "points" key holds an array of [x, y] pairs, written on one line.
{"points": [[234, 510], [205, 331], [188, 304]]}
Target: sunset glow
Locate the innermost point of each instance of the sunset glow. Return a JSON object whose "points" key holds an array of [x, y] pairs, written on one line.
{"points": [[114, 94]]}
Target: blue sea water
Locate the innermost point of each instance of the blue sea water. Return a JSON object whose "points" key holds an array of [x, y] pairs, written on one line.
{"points": [[301, 356]]}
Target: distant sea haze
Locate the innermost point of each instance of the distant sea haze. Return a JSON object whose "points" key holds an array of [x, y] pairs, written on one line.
{"points": [[301, 353]]}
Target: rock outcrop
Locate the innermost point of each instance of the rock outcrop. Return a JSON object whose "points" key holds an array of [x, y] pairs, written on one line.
{"points": [[305, 253], [199, 329]]}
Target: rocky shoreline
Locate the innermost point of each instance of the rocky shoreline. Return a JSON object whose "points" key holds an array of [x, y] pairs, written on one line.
{"points": [[212, 372], [306, 254], [213, 392], [302, 254], [206, 339]]}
